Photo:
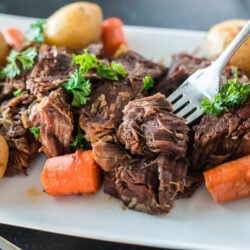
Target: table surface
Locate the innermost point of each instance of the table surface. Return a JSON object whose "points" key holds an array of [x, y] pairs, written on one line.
{"points": [[180, 14]]}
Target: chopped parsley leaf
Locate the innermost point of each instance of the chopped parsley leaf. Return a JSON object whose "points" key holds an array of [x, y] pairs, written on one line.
{"points": [[79, 87], [35, 131], [85, 61], [36, 31], [112, 71], [18, 61], [79, 140], [231, 95], [18, 92], [148, 83]]}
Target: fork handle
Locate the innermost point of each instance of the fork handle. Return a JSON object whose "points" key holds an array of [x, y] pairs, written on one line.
{"points": [[220, 63]]}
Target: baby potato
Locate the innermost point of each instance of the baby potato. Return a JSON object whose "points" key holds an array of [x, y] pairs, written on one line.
{"points": [[4, 50], [4, 155], [219, 37], [75, 25]]}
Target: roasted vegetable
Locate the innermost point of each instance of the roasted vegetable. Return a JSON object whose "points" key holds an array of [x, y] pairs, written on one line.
{"points": [[4, 155], [220, 35], [75, 25], [230, 180], [112, 36], [14, 38], [4, 50], [71, 174]]}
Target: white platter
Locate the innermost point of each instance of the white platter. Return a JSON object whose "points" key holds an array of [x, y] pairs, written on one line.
{"points": [[195, 223]]}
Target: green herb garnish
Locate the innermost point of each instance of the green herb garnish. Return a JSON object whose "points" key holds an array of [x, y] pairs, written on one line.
{"points": [[36, 31], [112, 71], [18, 92], [79, 140], [85, 61], [148, 83], [35, 131], [79, 87], [18, 61], [231, 95]]}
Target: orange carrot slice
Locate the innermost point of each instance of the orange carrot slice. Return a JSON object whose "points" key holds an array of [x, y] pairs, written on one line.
{"points": [[14, 37], [112, 35], [230, 180], [71, 174]]}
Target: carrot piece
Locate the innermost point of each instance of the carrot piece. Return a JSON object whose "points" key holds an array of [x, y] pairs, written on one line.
{"points": [[230, 180], [14, 37], [71, 174], [112, 35]]}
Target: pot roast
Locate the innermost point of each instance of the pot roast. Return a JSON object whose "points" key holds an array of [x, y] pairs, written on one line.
{"points": [[149, 156]]}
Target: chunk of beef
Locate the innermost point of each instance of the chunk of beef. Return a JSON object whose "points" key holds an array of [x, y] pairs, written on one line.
{"points": [[23, 147], [10, 85], [149, 127], [55, 119], [148, 172], [52, 69], [104, 110], [218, 139], [182, 66], [139, 67], [150, 185]]}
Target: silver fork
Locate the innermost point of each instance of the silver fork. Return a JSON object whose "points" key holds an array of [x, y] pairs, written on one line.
{"points": [[186, 99]]}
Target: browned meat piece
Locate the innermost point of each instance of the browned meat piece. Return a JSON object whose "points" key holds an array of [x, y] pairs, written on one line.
{"points": [[52, 69], [104, 111], [109, 154], [151, 171], [151, 185], [218, 139], [55, 119], [10, 85], [23, 146], [182, 66], [146, 128]]}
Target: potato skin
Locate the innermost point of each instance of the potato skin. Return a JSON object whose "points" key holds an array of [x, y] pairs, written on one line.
{"points": [[220, 35], [4, 50], [75, 25], [4, 155]]}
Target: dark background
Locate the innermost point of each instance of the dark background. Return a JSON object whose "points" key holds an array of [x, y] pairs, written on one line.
{"points": [[181, 14], [184, 14]]}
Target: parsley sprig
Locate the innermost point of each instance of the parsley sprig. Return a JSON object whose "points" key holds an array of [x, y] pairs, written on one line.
{"points": [[231, 95], [78, 142], [18, 92], [19, 61], [79, 87], [111, 72], [36, 31], [35, 131], [87, 61], [148, 83]]}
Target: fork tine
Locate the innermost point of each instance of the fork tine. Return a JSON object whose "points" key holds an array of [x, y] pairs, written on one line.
{"points": [[178, 93], [193, 116], [187, 109], [173, 96], [182, 101]]}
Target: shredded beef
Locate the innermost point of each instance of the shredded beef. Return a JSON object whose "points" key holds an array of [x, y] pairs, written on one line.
{"points": [[218, 139], [148, 168], [52, 69], [23, 146], [55, 119], [103, 112]]}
